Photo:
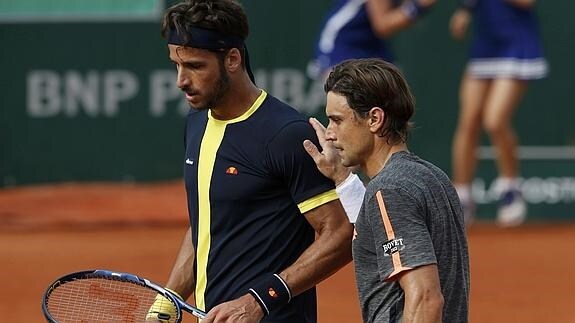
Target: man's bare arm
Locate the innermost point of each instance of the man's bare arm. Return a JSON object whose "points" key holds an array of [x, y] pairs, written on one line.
{"points": [[327, 254], [182, 279], [423, 297]]}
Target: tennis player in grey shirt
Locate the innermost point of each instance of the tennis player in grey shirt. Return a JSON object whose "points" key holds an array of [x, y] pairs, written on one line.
{"points": [[409, 248]]}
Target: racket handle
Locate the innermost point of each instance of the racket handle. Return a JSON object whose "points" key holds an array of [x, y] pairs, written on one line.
{"points": [[194, 311]]}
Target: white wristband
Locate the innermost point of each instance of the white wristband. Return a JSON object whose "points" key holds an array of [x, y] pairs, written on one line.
{"points": [[351, 192]]}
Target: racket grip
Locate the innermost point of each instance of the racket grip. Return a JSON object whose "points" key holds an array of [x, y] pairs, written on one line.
{"points": [[162, 309]]}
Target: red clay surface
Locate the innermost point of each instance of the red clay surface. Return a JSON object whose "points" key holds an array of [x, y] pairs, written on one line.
{"points": [[518, 275]]}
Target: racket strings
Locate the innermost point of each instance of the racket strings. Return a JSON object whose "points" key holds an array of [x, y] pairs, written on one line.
{"points": [[101, 300]]}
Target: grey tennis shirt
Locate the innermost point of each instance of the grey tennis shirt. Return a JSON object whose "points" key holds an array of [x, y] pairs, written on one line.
{"points": [[410, 217]]}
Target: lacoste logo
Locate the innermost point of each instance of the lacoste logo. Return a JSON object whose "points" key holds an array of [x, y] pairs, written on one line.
{"points": [[232, 170], [392, 246], [189, 161]]}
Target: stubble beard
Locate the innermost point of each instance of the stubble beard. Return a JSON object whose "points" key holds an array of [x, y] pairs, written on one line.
{"points": [[216, 95]]}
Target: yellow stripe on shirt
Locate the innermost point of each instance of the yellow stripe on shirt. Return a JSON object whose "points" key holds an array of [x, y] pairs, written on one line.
{"points": [[317, 200], [209, 148], [213, 136]]}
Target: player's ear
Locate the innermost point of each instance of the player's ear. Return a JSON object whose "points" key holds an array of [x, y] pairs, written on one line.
{"points": [[376, 118], [233, 60]]}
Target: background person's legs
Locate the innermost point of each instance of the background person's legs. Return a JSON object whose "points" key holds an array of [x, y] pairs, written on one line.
{"points": [[500, 105], [464, 160]]}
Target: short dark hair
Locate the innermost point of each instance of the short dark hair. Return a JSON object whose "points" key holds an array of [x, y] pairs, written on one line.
{"points": [[225, 16], [372, 82]]}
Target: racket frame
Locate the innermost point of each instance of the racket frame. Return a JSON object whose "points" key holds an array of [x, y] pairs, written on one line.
{"points": [[119, 276]]}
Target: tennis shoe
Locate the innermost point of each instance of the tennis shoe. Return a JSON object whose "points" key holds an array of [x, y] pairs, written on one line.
{"points": [[512, 209]]}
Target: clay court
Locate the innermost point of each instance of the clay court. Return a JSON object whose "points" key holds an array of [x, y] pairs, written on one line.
{"points": [[518, 275]]}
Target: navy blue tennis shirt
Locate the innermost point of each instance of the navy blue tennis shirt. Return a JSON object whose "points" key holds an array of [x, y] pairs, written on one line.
{"points": [[249, 181]]}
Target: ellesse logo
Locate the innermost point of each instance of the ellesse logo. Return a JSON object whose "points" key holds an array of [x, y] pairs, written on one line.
{"points": [[272, 292], [232, 170]]}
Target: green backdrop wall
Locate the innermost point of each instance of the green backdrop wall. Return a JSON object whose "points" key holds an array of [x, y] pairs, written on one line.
{"points": [[89, 95]]}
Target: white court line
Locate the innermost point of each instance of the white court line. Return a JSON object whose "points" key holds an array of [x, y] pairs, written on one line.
{"points": [[533, 152]]}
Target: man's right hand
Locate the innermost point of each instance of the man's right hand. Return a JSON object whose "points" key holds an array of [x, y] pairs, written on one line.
{"points": [[327, 161]]}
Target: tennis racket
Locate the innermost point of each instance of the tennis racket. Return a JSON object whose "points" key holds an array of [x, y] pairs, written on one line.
{"points": [[106, 296]]}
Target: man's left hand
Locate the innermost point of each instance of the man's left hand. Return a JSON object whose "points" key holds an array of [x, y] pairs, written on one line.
{"points": [[242, 310]]}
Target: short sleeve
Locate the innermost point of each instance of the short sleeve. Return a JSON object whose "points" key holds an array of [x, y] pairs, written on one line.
{"points": [[289, 161], [402, 239]]}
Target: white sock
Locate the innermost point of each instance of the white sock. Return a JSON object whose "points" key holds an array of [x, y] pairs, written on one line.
{"points": [[507, 183]]}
